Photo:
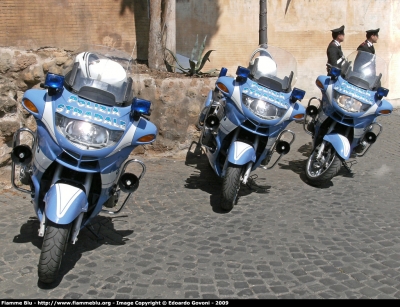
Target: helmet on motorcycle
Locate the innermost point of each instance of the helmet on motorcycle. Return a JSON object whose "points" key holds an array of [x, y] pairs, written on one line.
{"points": [[102, 69], [263, 66]]}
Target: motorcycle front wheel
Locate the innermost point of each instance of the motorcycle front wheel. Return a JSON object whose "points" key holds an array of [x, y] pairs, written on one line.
{"points": [[319, 171], [230, 186], [54, 245]]}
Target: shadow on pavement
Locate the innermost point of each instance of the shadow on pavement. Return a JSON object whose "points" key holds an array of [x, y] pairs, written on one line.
{"points": [[102, 232], [298, 167], [205, 179]]}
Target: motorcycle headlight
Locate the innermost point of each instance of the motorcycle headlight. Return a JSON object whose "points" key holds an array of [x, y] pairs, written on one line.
{"points": [[262, 109], [86, 135], [350, 104]]}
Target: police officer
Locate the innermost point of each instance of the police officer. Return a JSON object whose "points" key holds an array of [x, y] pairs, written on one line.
{"points": [[334, 51], [372, 38], [335, 59]]}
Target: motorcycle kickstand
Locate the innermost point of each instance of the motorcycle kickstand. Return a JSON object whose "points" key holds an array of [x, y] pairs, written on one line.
{"points": [[346, 166], [91, 229]]}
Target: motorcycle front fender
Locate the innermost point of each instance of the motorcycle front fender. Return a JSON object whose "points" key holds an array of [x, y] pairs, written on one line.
{"points": [[64, 203], [241, 153], [340, 143]]}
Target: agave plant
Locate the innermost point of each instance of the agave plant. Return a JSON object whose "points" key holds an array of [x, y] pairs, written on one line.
{"points": [[196, 66]]}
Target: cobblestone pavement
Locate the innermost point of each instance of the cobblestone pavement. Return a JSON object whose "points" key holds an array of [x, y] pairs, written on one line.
{"points": [[284, 239]]}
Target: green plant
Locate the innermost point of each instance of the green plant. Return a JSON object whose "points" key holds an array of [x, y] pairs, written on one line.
{"points": [[196, 67]]}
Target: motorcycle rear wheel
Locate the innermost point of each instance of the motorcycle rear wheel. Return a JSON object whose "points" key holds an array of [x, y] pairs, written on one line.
{"points": [[230, 186], [54, 245], [322, 171]]}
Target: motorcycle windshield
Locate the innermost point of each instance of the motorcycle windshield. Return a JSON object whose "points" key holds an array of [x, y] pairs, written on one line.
{"points": [[365, 70], [273, 67], [102, 75]]}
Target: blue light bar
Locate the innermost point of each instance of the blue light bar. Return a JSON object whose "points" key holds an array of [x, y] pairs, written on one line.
{"points": [[298, 94], [54, 81], [335, 71], [223, 72], [242, 72], [382, 92], [141, 106]]}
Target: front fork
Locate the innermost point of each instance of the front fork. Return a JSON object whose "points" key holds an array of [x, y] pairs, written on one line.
{"points": [[249, 165], [321, 149], [320, 156], [78, 221]]}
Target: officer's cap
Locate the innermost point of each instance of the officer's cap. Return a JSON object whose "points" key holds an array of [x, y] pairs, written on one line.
{"points": [[373, 32], [338, 30]]}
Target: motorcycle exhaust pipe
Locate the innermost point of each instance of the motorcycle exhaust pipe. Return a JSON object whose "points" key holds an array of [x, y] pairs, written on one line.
{"points": [[128, 183], [21, 154], [370, 137], [282, 147]]}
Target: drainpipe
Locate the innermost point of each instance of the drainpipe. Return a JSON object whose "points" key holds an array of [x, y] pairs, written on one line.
{"points": [[263, 39]]}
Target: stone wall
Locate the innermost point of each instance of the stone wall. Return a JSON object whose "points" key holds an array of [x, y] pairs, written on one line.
{"points": [[176, 102], [302, 27]]}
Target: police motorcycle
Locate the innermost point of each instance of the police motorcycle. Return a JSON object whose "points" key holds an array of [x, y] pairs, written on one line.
{"points": [[343, 122], [88, 122], [244, 119]]}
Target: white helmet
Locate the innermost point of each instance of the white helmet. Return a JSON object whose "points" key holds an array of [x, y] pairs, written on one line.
{"points": [[101, 69], [263, 66]]}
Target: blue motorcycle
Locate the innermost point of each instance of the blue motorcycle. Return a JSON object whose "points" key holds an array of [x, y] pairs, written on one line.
{"points": [[88, 122], [244, 119], [343, 123]]}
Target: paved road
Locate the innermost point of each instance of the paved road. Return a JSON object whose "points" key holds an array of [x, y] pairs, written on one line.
{"points": [[285, 238]]}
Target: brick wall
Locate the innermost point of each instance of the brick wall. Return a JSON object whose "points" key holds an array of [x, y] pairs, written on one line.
{"points": [[69, 23]]}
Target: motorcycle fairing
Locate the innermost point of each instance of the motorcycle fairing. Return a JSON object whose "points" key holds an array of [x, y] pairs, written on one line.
{"points": [[346, 88], [241, 153], [208, 100], [278, 99], [226, 126], [340, 143], [111, 117], [325, 81], [38, 96], [144, 127], [384, 105], [233, 90], [294, 110], [64, 203]]}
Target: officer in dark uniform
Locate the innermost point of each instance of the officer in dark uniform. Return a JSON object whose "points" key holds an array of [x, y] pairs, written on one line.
{"points": [[372, 38], [335, 59], [334, 51]]}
